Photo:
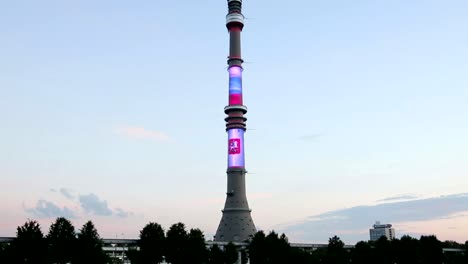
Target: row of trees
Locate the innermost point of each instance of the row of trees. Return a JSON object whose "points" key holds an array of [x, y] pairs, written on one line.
{"points": [[181, 246], [178, 246], [61, 245], [271, 249], [427, 249], [64, 245]]}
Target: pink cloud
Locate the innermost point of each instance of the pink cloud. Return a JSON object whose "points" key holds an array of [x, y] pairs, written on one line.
{"points": [[452, 227], [142, 133]]}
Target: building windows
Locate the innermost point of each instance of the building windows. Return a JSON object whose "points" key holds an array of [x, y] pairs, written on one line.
{"points": [[380, 230]]}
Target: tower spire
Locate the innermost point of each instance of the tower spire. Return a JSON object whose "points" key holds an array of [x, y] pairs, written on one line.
{"points": [[236, 223]]}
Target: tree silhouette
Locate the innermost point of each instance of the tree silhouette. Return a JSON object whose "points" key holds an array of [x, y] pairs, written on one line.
{"points": [[299, 256], [465, 247], [61, 241], [319, 256], [383, 251], [431, 250], [133, 255], [5, 253], [176, 244], [230, 254], [269, 249], [2, 252], [216, 255], [279, 248], [197, 252], [257, 249], [89, 246], [362, 253], [450, 244], [405, 250], [29, 246], [244, 256], [151, 244], [336, 254]]}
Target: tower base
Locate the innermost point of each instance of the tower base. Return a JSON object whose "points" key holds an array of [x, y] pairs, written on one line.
{"points": [[236, 223]]}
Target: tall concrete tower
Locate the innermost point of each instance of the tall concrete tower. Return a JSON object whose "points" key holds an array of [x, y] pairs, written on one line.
{"points": [[236, 223]]}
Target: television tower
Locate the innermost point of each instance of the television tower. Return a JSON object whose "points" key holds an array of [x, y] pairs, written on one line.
{"points": [[236, 223]]}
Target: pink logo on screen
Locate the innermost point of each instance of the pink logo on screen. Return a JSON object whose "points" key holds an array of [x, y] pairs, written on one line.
{"points": [[234, 146]]}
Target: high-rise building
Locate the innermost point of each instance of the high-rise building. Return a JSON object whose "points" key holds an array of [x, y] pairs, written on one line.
{"points": [[380, 230], [236, 223]]}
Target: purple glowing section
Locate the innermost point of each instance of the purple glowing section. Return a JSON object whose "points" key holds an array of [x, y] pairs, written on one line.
{"points": [[235, 85], [236, 148]]}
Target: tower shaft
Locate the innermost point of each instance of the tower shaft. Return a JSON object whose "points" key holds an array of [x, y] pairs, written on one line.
{"points": [[236, 222]]}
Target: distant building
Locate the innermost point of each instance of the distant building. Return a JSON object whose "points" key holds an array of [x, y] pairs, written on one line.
{"points": [[381, 230]]}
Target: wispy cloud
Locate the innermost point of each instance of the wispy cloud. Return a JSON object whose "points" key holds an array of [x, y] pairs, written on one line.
{"points": [[359, 219], [92, 204], [121, 213], [67, 193], [46, 209], [398, 198], [142, 133], [82, 205]]}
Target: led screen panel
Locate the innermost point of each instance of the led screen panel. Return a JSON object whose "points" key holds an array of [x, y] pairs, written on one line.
{"points": [[235, 85], [236, 148]]}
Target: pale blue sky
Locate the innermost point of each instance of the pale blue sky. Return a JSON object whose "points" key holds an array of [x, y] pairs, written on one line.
{"points": [[350, 102]]}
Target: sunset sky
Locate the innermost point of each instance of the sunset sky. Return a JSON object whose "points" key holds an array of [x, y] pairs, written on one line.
{"points": [[358, 112]]}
